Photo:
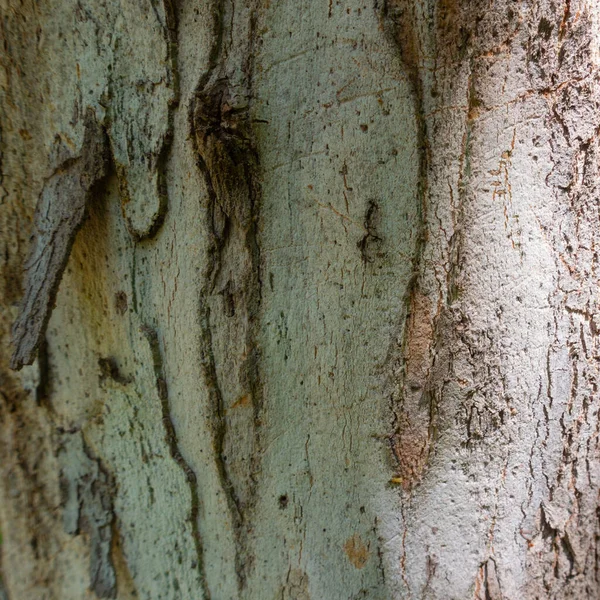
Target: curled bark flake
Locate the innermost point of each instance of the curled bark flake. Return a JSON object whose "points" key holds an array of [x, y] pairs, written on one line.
{"points": [[60, 213]]}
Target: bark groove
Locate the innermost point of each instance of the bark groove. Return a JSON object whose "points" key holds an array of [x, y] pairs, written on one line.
{"points": [[223, 141]]}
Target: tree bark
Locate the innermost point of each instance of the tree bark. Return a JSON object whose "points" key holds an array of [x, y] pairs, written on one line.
{"points": [[299, 299]]}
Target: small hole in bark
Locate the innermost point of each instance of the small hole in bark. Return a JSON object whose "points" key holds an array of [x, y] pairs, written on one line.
{"points": [[283, 501]]}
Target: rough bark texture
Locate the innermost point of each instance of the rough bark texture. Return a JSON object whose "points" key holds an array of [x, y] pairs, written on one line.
{"points": [[328, 307]]}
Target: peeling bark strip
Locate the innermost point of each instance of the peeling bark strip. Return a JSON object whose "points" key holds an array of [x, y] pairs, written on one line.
{"points": [[59, 214], [223, 140], [87, 498], [171, 441]]}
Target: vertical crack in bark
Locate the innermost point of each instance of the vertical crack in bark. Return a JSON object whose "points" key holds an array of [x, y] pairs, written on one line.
{"points": [[487, 584], [171, 440], [226, 155]]}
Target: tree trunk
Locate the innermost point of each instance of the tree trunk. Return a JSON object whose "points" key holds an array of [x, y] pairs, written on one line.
{"points": [[328, 307]]}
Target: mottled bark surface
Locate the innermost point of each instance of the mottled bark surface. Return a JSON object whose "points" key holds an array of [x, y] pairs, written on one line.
{"points": [[312, 300]]}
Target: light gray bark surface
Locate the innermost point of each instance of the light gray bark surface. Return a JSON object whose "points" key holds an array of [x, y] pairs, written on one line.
{"points": [[329, 327]]}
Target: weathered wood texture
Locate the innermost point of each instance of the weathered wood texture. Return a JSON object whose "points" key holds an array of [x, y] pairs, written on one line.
{"points": [[314, 297]]}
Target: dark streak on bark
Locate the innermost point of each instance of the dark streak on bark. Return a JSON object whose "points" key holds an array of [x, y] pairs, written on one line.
{"points": [[226, 156], [109, 369], [370, 243], [219, 430], [42, 390], [161, 158], [60, 213], [171, 440], [218, 425]]}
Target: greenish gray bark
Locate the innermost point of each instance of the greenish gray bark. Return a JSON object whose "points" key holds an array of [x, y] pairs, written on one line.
{"points": [[299, 299]]}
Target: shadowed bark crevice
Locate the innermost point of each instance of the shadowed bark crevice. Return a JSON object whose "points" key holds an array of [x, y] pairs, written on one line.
{"points": [[223, 140], [171, 440]]}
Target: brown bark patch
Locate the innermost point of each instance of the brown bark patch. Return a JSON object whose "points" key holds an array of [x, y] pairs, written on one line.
{"points": [[418, 341], [358, 554], [410, 441], [244, 400]]}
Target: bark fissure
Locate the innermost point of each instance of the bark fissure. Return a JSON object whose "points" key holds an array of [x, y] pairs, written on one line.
{"points": [[223, 141], [171, 440]]}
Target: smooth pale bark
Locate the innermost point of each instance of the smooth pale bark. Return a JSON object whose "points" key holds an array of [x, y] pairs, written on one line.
{"points": [[329, 329]]}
